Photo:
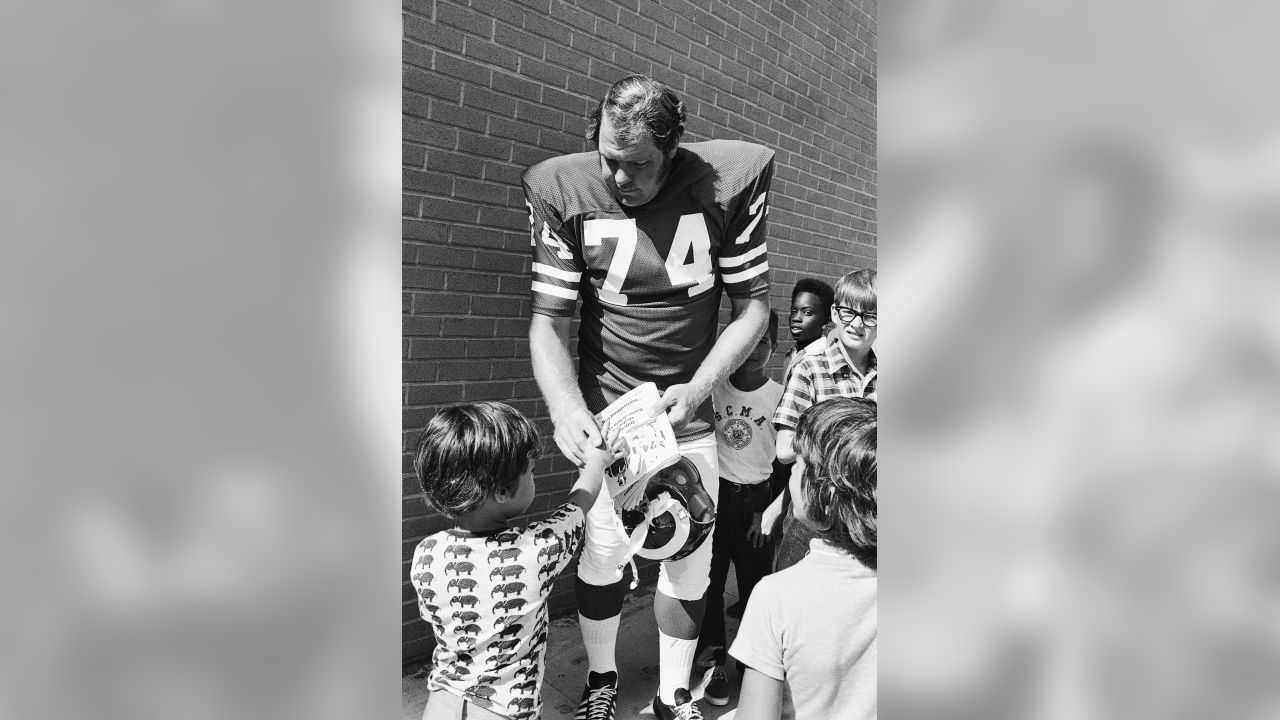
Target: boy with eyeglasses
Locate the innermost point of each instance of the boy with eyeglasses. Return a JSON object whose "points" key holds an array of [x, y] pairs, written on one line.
{"points": [[845, 368]]}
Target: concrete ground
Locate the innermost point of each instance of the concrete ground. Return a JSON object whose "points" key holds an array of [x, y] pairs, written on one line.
{"points": [[637, 651]]}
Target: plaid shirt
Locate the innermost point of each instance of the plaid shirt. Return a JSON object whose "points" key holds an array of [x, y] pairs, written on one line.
{"points": [[820, 375]]}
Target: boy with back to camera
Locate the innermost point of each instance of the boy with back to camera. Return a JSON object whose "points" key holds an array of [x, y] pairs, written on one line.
{"points": [[483, 584], [813, 628], [744, 406], [845, 367]]}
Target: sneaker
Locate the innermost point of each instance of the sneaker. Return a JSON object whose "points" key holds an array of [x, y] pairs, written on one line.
{"points": [[735, 610], [599, 698], [717, 689], [684, 709]]}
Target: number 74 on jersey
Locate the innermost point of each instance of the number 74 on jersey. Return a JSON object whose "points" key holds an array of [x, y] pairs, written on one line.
{"points": [[687, 264]]}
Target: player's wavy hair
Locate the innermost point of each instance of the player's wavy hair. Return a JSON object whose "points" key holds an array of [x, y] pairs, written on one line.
{"points": [[636, 104], [837, 441], [469, 452], [857, 290]]}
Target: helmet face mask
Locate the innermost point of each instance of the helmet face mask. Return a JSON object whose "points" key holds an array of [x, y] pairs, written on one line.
{"points": [[683, 514]]}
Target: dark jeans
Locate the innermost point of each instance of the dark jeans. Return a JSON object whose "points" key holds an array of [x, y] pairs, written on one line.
{"points": [[790, 537], [793, 541], [734, 510]]}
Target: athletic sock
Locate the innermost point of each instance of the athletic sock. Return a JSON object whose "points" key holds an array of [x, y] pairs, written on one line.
{"points": [[599, 637], [675, 661]]}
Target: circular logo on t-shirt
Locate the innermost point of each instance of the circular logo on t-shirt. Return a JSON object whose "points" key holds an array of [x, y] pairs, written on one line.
{"points": [[737, 432]]}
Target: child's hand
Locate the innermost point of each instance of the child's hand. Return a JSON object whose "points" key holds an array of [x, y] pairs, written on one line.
{"points": [[754, 534], [613, 447]]}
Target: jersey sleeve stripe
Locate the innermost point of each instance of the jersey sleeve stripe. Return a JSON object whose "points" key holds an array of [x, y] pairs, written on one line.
{"points": [[747, 274], [746, 234], [744, 258], [755, 206], [557, 273], [544, 288]]}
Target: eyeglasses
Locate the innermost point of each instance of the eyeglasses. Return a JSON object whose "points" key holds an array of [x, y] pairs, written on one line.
{"points": [[847, 314]]}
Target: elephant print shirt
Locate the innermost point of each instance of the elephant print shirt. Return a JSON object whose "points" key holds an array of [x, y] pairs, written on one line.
{"points": [[486, 598]]}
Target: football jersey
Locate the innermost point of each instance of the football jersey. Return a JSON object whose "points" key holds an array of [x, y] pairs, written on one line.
{"points": [[649, 277]]}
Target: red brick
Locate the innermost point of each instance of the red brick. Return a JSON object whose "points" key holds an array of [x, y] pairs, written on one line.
{"points": [[571, 60], [435, 394], [479, 144], [464, 69], [547, 117], [413, 326], [430, 182], [508, 218], [490, 53], [439, 302], [455, 257], [554, 31], [501, 262], [464, 19], [411, 206], [475, 391], [418, 278], [415, 56], [433, 84], [454, 163], [519, 40], [544, 72], [466, 327], [464, 369], [448, 210], [506, 306], [492, 348], [413, 156]]}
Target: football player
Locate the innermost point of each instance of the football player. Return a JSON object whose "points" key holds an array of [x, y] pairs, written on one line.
{"points": [[647, 233]]}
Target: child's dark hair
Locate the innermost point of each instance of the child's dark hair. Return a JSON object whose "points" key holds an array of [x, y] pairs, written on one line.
{"points": [[837, 441], [857, 290], [469, 452], [826, 295]]}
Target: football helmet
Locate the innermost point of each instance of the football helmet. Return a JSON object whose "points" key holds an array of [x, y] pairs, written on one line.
{"points": [[677, 516]]}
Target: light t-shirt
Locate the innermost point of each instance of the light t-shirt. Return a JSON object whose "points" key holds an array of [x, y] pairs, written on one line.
{"points": [[814, 625], [745, 433]]}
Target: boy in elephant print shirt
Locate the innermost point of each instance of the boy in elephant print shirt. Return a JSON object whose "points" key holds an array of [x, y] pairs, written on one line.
{"points": [[483, 584]]}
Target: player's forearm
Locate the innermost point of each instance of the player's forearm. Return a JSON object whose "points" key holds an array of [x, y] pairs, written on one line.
{"points": [[749, 321], [552, 366]]}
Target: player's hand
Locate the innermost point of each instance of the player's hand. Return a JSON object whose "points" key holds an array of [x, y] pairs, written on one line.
{"points": [[576, 433], [754, 534], [679, 403]]}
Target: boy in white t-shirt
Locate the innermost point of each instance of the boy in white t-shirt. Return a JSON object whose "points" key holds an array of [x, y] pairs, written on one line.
{"points": [[744, 405], [814, 625]]}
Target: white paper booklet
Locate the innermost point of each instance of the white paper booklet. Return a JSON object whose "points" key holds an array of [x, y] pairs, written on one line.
{"points": [[650, 441]]}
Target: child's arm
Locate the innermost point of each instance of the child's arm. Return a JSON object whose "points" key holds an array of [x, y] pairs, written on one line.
{"points": [[761, 697], [584, 491], [769, 520], [786, 456], [782, 446]]}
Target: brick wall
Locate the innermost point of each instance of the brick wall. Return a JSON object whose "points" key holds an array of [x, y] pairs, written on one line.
{"points": [[493, 86]]}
